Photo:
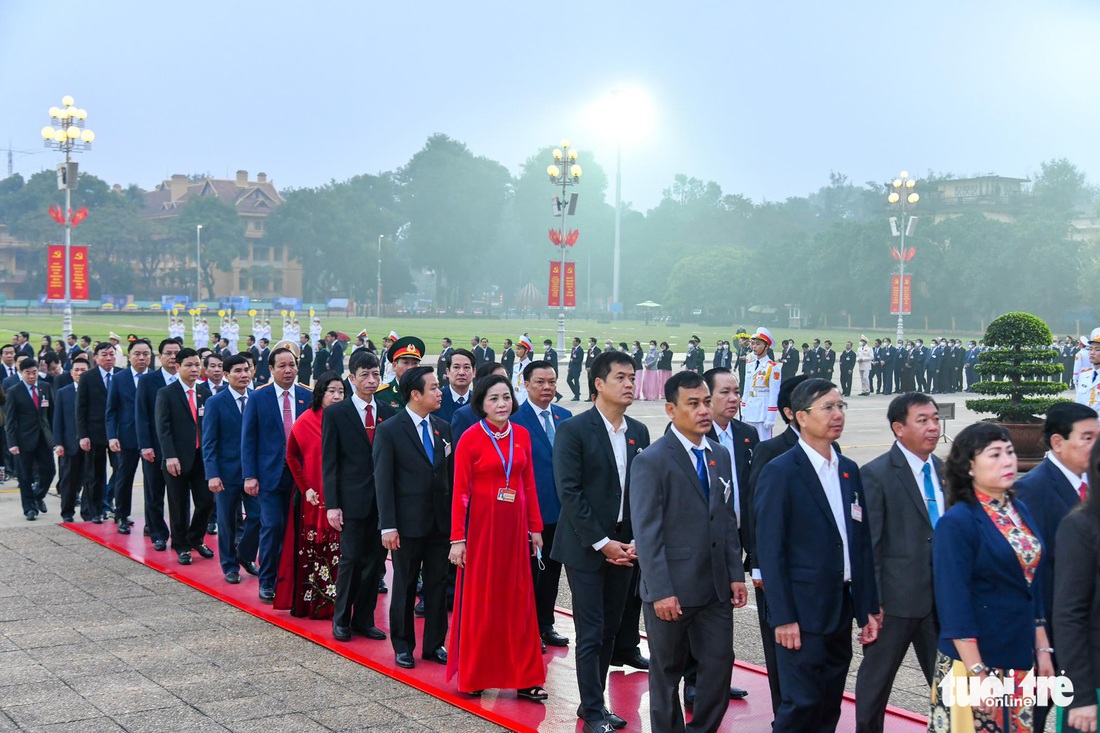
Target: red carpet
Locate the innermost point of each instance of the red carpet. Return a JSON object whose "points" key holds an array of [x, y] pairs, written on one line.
{"points": [[628, 691]]}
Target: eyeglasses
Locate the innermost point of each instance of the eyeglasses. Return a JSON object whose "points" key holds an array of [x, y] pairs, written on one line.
{"points": [[829, 407]]}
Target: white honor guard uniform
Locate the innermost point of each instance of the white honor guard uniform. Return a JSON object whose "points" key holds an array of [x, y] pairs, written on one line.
{"points": [[517, 372], [760, 393], [1088, 379]]}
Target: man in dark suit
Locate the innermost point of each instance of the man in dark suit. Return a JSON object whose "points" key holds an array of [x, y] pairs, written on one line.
{"points": [[91, 429], [412, 473], [918, 359], [790, 361], [479, 353], [592, 457], [459, 373], [120, 421], [589, 358], [576, 363], [809, 363], [335, 352], [23, 348], [26, 421], [550, 355], [887, 359], [263, 368], [903, 490], [70, 457], [179, 413], [814, 553], [263, 458], [1052, 489], [487, 353], [305, 360], [508, 356], [828, 361], [682, 510], [541, 417], [348, 432], [221, 453], [149, 442], [441, 363], [847, 368]]}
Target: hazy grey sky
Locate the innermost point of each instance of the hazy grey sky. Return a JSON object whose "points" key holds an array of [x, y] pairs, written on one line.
{"points": [[764, 98]]}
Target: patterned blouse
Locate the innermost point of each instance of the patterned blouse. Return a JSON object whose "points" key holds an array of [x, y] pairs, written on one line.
{"points": [[1020, 537]]}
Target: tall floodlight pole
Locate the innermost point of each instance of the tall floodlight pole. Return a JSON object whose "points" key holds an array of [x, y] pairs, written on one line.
{"points": [[198, 263], [903, 196], [560, 176], [66, 133]]}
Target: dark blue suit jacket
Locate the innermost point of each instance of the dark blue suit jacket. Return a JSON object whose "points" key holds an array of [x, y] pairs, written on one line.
{"points": [[263, 444], [64, 420], [461, 421], [543, 455], [448, 407], [1049, 496], [800, 552], [981, 591], [145, 410], [122, 409], [221, 437]]}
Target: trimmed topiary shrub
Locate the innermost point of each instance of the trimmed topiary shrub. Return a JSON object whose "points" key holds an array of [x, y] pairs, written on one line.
{"points": [[1020, 354]]}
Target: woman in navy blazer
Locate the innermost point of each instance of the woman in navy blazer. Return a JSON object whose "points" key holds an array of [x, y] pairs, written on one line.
{"points": [[988, 570]]}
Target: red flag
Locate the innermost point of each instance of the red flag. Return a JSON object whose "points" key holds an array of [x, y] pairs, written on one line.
{"points": [[57, 214], [80, 215], [555, 237], [571, 238]]}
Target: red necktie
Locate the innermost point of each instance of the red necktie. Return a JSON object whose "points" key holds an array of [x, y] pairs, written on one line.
{"points": [[34, 394], [369, 421], [1083, 491], [288, 416], [194, 413]]}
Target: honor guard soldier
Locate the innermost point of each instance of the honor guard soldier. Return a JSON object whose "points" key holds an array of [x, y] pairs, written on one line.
{"points": [[760, 396], [1088, 379], [403, 354]]}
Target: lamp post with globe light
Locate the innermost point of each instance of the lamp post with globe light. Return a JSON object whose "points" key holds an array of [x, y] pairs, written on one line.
{"points": [[564, 172], [903, 196], [66, 133]]}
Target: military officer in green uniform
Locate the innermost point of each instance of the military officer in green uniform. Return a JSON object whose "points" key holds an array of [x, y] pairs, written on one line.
{"points": [[404, 354]]}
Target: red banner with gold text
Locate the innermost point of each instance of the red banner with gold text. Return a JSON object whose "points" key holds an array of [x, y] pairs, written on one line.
{"points": [[55, 272], [78, 271]]}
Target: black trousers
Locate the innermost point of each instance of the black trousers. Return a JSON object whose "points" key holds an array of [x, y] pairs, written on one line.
{"points": [[71, 481], [876, 378], [812, 678], [154, 499], [598, 600], [767, 638], [708, 628], [95, 478], [187, 527], [234, 547], [29, 464], [887, 380], [574, 383], [921, 378], [126, 468], [881, 661], [546, 581], [361, 560], [846, 382], [629, 635], [427, 555]]}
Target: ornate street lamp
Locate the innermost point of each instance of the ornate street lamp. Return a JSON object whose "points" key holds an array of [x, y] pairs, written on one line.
{"points": [[564, 172], [66, 133], [903, 196]]}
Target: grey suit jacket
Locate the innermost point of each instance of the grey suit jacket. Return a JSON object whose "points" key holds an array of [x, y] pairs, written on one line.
{"points": [[687, 545], [901, 533]]}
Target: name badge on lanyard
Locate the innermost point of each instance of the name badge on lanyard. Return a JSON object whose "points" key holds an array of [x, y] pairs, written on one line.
{"points": [[506, 493]]}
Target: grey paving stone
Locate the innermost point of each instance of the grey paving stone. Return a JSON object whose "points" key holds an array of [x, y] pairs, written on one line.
{"points": [[54, 638], [462, 723], [242, 708], [115, 631], [425, 708], [93, 725], [356, 717], [292, 723], [67, 707], [180, 719]]}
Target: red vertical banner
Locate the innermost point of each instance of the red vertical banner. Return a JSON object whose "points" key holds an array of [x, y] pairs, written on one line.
{"points": [[553, 298], [570, 284], [901, 295], [78, 271], [55, 272]]}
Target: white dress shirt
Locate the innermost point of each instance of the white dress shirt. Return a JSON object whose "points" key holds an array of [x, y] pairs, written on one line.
{"points": [[726, 438], [1074, 481], [618, 447], [916, 465], [828, 472], [455, 396]]}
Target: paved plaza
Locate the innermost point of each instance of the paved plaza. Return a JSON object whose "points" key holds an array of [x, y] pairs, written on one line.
{"points": [[91, 641]]}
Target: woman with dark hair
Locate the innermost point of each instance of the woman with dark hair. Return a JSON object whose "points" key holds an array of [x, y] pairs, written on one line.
{"points": [[664, 370], [988, 566], [636, 356], [495, 528], [311, 547], [650, 388], [47, 347], [1077, 602]]}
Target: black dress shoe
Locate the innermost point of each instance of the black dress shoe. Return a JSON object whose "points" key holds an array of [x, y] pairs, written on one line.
{"points": [[145, 531], [184, 558], [212, 528], [553, 638], [341, 633], [267, 595], [233, 577], [371, 632], [124, 528], [439, 656], [535, 694], [30, 516], [635, 660], [160, 545], [382, 587], [614, 720], [418, 609], [250, 567], [689, 696], [405, 660], [97, 519], [736, 693], [42, 506], [543, 645], [204, 551], [67, 518]]}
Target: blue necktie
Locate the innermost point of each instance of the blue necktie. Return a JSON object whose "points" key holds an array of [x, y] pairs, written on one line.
{"points": [[426, 437], [107, 380], [930, 494], [701, 469], [549, 425]]}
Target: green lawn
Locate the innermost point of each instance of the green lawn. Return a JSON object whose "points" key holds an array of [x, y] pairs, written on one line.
{"points": [[432, 329]]}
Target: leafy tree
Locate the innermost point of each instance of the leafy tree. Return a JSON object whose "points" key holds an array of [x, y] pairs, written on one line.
{"points": [[223, 239]]}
